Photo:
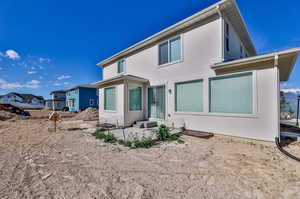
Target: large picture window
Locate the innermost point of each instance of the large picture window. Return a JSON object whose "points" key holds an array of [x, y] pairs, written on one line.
{"points": [[232, 94], [189, 96], [110, 99], [135, 98], [170, 51]]}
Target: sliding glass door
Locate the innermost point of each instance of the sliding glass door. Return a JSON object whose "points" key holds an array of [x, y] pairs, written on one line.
{"points": [[156, 102]]}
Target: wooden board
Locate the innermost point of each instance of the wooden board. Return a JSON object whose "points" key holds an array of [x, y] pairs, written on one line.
{"points": [[198, 134]]}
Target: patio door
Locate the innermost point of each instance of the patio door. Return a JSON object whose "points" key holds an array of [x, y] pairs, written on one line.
{"points": [[156, 102]]}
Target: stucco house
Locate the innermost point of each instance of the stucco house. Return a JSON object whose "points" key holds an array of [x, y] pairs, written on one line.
{"points": [[81, 97], [57, 101], [202, 73]]}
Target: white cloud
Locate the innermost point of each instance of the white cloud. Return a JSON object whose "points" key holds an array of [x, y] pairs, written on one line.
{"points": [[56, 84], [66, 83], [33, 84], [11, 54], [31, 72], [63, 77], [1, 68], [41, 59], [291, 90], [6, 85], [40, 77], [12, 85]]}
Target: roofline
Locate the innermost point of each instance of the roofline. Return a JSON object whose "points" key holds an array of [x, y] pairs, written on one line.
{"points": [[176, 27], [245, 26], [254, 59], [121, 77], [81, 86], [164, 31]]}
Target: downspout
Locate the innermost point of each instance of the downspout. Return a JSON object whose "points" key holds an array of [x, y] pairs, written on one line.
{"points": [[276, 65], [222, 32], [278, 139]]}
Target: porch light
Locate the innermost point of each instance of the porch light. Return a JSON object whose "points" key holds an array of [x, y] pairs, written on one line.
{"points": [[170, 91]]}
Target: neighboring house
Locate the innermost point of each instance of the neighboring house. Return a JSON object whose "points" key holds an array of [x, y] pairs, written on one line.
{"points": [[27, 101], [202, 73], [58, 100], [82, 97]]}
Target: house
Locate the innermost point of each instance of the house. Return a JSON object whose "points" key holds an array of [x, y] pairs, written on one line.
{"points": [[203, 74], [82, 97], [25, 101], [57, 101]]}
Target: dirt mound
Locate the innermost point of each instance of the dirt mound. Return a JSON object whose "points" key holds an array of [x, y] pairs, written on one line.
{"points": [[89, 114], [6, 115]]}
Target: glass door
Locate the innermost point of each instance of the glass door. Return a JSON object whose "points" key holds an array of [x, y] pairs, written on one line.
{"points": [[156, 102]]}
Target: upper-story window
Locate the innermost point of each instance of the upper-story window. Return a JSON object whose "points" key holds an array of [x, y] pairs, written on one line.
{"points": [[241, 51], [170, 51], [227, 34], [121, 66]]}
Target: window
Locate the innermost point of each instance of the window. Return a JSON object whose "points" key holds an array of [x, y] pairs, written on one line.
{"points": [[227, 37], [189, 96], [121, 66], [231, 94], [170, 51], [91, 102], [71, 103], [110, 99], [135, 98], [241, 51]]}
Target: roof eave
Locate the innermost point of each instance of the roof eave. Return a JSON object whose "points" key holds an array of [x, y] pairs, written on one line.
{"points": [[176, 27]]}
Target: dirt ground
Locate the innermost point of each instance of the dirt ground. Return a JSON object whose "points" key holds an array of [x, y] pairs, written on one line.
{"points": [[38, 163]]}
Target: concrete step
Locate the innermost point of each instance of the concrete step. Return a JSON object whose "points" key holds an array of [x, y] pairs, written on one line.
{"points": [[145, 124]]}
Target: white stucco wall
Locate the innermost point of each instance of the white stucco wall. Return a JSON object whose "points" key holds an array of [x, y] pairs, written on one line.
{"points": [[234, 44], [202, 47], [117, 116]]}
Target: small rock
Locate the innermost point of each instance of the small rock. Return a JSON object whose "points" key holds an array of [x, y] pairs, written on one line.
{"points": [[46, 176]]}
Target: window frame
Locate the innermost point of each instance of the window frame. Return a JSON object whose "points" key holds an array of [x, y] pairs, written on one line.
{"points": [[142, 98], [227, 36], [254, 96], [116, 98], [168, 41], [124, 61], [203, 96]]}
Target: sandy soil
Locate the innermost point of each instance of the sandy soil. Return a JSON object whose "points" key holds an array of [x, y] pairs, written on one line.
{"points": [[36, 163]]}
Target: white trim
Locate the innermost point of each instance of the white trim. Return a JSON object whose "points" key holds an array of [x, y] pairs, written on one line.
{"points": [[200, 16], [165, 98], [110, 111], [120, 73], [128, 98], [168, 41], [254, 96]]}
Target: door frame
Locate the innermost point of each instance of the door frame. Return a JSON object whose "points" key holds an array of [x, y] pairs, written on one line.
{"points": [[165, 105]]}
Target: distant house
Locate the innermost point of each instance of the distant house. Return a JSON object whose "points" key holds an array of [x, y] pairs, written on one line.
{"points": [[57, 101], [82, 97], [27, 101]]}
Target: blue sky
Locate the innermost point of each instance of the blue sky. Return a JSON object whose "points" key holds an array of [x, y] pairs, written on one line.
{"points": [[55, 44]]}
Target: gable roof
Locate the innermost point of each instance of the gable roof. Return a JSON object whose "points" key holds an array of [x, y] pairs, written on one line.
{"points": [[225, 7]]}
